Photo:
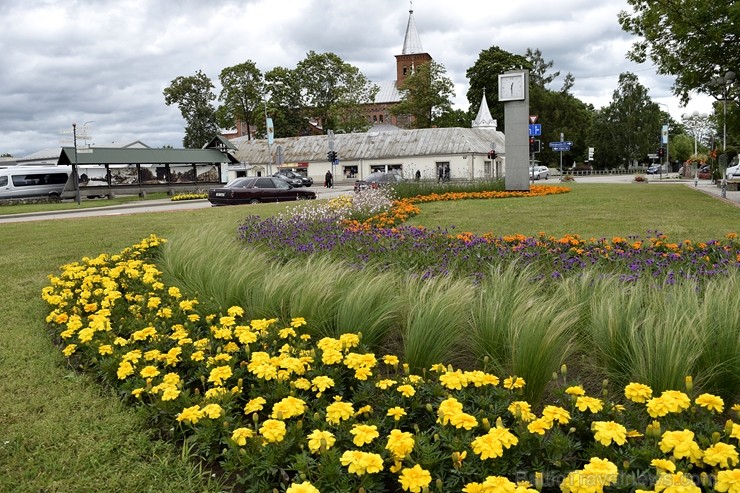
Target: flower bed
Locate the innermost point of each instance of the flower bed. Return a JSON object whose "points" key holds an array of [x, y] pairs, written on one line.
{"points": [[277, 409]]}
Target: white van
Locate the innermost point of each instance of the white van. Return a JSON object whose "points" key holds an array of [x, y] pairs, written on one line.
{"points": [[17, 182]]}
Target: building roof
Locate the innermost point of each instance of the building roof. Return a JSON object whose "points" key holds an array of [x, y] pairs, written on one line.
{"points": [[374, 145], [388, 92], [412, 41], [484, 118], [110, 155]]}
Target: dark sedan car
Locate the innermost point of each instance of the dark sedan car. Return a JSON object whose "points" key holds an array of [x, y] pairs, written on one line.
{"points": [[306, 181], [254, 190], [378, 179]]}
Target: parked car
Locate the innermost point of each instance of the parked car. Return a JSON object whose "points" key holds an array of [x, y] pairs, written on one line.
{"points": [[253, 190], [378, 179], [306, 181], [653, 169], [292, 181], [539, 172], [733, 172]]}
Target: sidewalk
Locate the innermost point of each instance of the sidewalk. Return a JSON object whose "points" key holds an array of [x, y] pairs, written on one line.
{"points": [[706, 186]]}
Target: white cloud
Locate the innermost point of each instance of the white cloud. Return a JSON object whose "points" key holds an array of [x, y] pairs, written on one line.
{"points": [[108, 61]]}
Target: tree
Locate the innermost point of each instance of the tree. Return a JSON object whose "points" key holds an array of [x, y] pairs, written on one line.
{"points": [[538, 71], [427, 95], [193, 95], [242, 94], [629, 127], [693, 40], [285, 104], [454, 118], [484, 75], [334, 91]]}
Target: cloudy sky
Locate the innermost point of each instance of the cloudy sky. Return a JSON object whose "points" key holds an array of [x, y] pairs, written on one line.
{"points": [[104, 64]]}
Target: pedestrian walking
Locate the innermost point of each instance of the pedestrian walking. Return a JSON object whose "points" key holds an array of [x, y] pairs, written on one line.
{"points": [[328, 180]]}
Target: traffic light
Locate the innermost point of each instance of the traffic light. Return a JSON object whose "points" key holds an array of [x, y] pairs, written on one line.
{"points": [[330, 156], [492, 154], [531, 145], [534, 145], [661, 152]]}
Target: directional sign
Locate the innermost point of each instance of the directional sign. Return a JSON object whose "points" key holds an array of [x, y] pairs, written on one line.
{"points": [[561, 146], [535, 130]]}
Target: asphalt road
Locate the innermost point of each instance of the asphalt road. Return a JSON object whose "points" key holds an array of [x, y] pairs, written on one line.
{"points": [[704, 186]]}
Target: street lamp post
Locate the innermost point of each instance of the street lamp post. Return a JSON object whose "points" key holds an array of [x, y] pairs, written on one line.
{"points": [[725, 82]]}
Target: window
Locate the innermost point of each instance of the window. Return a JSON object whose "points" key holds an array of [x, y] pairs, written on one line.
{"points": [[3, 181], [487, 168], [264, 183], [380, 118], [32, 179], [375, 118], [404, 70]]}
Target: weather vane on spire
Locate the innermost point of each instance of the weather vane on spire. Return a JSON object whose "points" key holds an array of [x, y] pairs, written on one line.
{"points": [[411, 6]]}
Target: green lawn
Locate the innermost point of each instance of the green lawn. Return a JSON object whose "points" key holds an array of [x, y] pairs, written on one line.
{"points": [[61, 432]]}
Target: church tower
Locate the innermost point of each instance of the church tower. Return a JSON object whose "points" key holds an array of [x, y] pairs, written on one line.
{"points": [[412, 54]]}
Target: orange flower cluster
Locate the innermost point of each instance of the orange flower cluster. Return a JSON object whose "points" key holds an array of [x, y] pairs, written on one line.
{"points": [[403, 209]]}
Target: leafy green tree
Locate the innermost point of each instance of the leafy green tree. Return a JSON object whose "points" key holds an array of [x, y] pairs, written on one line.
{"points": [[427, 95], [454, 118], [539, 71], [484, 75], [693, 40], [193, 95], [628, 129], [334, 91], [242, 94], [285, 104]]}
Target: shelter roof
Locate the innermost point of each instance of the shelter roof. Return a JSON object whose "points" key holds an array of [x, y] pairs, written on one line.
{"points": [[110, 155]]}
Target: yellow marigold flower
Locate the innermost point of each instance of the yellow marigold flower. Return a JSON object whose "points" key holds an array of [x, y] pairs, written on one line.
{"points": [[453, 380], [70, 349], [676, 401], [331, 357], [349, 340], [556, 413], [240, 436], [499, 484], [474, 488], [193, 317], [447, 409], [492, 444], [138, 392], [254, 405], [363, 373], [463, 420], [400, 444], [297, 322], [125, 369], [149, 372], [364, 434], [657, 407], [235, 311], [735, 431], [361, 463], [367, 409], [86, 334], [728, 481], [576, 390], [736, 407], [273, 430], [318, 439], [638, 392], [288, 407], [197, 356], [722, 455], [406, 390], [593, 404], [286, 333], [663, 465], [682, 444], [321, 383], [302, 383], [414, 479], [396, 412], [390, 359], [338, 411], [153, 302], [304, 487], [512, 383], [522, 410], [606, 432], [174, 292], [190, 414], [144, 334], [170, 393], [212, 411], [711, 402], [385, 383], [439, 368], [219, 374], [539, 426], [676, 483]]}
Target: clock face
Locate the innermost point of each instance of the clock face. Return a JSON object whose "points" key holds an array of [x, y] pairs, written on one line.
{"points": [[511, 87]]}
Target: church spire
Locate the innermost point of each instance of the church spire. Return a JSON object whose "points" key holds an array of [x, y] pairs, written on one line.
{"points": [[412, 42], [484, 118]]}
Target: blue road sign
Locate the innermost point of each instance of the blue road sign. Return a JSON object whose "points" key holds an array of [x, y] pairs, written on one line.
{"points": [[561, 146], [535, 129]]}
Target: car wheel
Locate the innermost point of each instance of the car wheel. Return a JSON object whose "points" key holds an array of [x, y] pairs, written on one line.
{"points": [[254, 201], [546, 176]]}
